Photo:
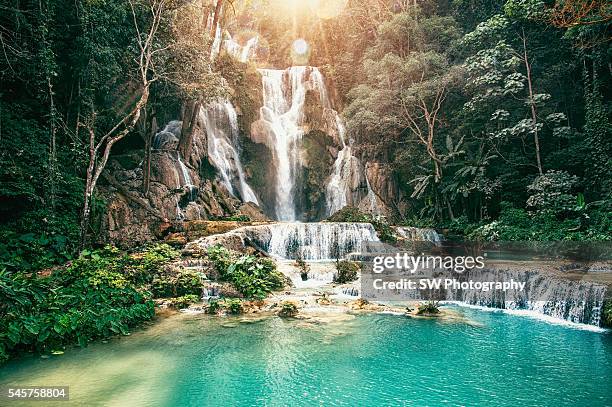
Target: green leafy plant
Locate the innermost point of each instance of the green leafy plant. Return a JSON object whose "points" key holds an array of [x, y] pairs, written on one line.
{"points": [[346, 271], [253, 277], [429, 308], [288, 309]]}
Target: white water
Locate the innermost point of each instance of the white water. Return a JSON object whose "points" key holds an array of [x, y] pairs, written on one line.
{"points": [[560, 298], [418, 234], [221, 123], [284, 93], [240, 52], [216, 45], [311, 241], [168, 137], [187, 182]]}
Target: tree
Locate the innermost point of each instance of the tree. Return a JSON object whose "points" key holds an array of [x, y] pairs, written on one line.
{"points": [[100, 146]]}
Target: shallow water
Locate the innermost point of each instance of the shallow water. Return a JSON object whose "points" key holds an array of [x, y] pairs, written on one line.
{"points": [[196, 360]]}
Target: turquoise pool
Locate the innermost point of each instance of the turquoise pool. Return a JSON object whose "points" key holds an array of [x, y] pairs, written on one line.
{"points": [[196, 360]]}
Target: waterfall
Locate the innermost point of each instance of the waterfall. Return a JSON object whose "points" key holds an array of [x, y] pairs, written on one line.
{"points": [[221, 123], [311, 241], [168, 137], [284, 93], [241, 53], [338, 188], [560, 298], [187, 182], [216, 45], [418, 234]]}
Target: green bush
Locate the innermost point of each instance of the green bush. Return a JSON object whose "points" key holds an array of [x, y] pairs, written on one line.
{"points": [[31, 251], [428, 308], [88, 299], [229, 305], [518, 225], [183, 301], [253, 277], [287, 309], [176, 282], [346, 271]]}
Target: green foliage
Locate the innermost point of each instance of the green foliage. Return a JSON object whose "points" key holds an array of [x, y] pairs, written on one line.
{"points": [[229, 305], [552, 192], [88, 299], [346, 271], [253, 277], [183, 301], [235, 218], [288, 309], [429, 308], [516, 224], [176, 282]]}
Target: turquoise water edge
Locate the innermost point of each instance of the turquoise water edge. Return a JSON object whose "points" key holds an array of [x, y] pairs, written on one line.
{"points": [[488, 359]]}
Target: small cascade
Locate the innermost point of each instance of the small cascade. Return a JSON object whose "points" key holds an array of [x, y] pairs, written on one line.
{"points": [[311, 241], [373, 206], [210, 291], [187, 182], [346, 167], [221, 123], [241, 53], [284, 93], [168, 137], [574, 301], [216, 45], [418, 234]]}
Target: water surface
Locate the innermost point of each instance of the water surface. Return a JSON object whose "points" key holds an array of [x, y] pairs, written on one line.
{"points": [[196, 360]]}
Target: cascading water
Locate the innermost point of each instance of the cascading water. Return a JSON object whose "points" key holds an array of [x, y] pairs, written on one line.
{"points": [[311, 241], [574, 301], [221, 123], [241, 53], [187, 182], [284, 94]]}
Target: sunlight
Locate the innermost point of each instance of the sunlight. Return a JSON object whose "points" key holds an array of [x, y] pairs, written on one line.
{"points": [[322, 8]]}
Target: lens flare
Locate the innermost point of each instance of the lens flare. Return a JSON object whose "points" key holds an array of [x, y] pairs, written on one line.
{"points": [[300, 52], [300, 46]]}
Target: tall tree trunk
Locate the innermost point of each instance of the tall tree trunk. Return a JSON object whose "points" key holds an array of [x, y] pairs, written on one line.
{"points": [[149, 135], [216, 17], [534, 116], [190, 121]]}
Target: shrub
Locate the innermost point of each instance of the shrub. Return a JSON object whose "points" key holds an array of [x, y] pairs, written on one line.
{"points": [[287, 309], [176, 282], [430, 307], [88, 299], [183, 301], [230, 305], [253, 277], [233, 306], [553, 192], [303, 267], [346, 271]]}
